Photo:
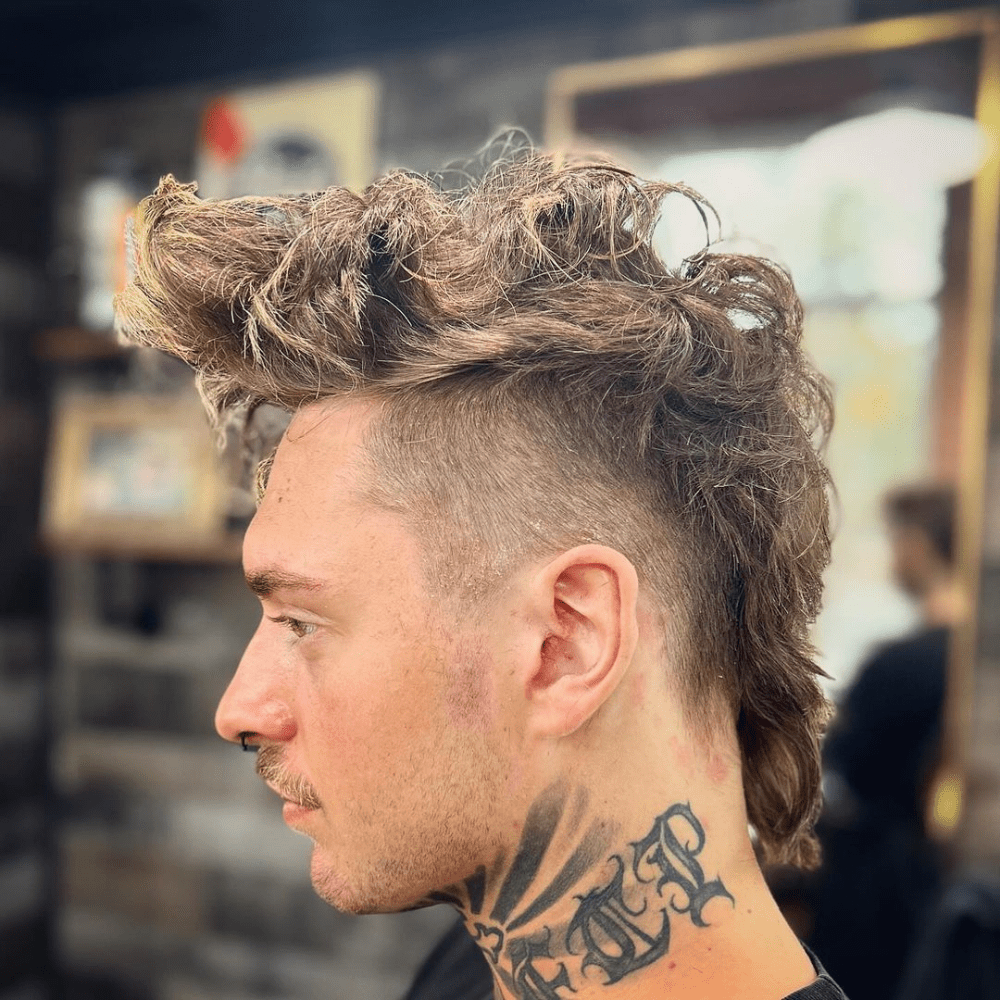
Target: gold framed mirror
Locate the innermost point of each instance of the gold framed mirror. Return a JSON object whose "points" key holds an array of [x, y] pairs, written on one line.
{"points": [[843, 134]]}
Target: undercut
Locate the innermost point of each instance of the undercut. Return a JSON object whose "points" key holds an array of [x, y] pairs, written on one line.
{"points": [[543, 380]]}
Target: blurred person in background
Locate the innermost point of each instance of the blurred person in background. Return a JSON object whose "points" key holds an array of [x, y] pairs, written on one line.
{"points": [[537, 557], [880, 868]]}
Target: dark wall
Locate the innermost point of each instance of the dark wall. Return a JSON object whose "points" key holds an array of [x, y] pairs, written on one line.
{"points": [[75, 49], [26, 857]]}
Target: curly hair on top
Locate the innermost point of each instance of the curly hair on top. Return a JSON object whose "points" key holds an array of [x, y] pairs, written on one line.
{"points": [[544, 379]]}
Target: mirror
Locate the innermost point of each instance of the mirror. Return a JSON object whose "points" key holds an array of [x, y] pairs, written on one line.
{"points": [[864, 159]]}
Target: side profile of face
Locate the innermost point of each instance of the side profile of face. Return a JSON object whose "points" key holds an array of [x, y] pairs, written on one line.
{"points": [[916, 566], [378, 716]]}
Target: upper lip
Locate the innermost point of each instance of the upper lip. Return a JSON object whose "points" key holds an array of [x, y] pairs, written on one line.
{"points": [[277, 789]]}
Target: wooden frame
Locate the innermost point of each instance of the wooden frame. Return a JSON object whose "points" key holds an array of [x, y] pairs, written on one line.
{"points": [[569, 84], [135, 476]]}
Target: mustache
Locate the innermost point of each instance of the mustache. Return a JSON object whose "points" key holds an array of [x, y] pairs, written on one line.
{"points": [[270, 766]]}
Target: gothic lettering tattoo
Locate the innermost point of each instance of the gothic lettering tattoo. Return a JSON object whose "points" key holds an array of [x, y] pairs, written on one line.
{"points": [[614, 936], [529, 979], [677, 862], [615, 928]]}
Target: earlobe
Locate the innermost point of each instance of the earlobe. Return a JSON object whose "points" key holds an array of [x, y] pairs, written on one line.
{"points": [[590, 598]]}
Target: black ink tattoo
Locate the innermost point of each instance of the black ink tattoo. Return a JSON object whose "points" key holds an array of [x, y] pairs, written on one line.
{"points": [[615, 928], [614, 936], [590, 852], [483, 934], [677, 862], [475, 884], [529, 980], [539, 829], [578, 810]]}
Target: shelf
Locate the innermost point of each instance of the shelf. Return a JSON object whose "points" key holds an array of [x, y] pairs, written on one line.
{"points": [[224, 550], [89, 644]]}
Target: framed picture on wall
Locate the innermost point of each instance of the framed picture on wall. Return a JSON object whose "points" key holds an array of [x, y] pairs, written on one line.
{"points": [[289, 137], [135, 475]]}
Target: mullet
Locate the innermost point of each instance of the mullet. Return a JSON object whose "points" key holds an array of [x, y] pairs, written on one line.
{"points": [[545, 379]]}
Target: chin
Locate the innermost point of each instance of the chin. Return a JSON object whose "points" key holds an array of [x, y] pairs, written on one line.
{"points": [[373, 892]]}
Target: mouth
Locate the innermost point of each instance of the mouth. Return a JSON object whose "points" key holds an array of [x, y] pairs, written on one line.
{"points": [[297, 795], [288, 800], [294, 813]]}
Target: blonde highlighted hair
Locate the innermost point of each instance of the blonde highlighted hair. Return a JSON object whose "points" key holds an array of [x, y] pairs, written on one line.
{"points": [[544, 379]]}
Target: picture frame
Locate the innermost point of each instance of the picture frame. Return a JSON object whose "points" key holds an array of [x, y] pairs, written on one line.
{"points": [[289, 137], [138, 476]]}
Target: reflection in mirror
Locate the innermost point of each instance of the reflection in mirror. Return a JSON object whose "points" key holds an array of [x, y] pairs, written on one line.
{"points": [[847, 157]]}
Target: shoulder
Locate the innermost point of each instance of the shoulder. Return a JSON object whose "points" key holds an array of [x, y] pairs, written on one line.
{"points": [[824, 988], [918, 658], [925, 643], [455, 969], [821, 988]]}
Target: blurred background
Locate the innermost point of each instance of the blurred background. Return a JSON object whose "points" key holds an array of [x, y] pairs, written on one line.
{"points": [[855, 141]]}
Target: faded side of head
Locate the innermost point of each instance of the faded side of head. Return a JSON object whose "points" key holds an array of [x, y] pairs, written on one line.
{"points": [[544, 381]]}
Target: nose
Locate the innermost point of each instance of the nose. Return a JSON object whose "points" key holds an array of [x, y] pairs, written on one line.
{"points": [[257, 700]]}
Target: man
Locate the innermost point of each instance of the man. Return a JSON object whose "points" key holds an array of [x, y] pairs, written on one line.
{"points": [[880, 757], [886, 741], [537, 555]]}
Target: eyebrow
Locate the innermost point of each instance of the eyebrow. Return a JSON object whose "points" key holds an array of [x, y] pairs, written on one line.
{"points": [[266, 581]]}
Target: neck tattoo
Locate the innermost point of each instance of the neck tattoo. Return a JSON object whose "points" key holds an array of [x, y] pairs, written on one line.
{"points": [[614, 928]]}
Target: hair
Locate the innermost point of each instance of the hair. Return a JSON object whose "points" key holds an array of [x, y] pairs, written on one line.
{"points": [[928, 507], [544, 379]]}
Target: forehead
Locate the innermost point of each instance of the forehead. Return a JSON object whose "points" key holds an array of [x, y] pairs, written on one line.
{"points": [[320, 455], [313, 509]]}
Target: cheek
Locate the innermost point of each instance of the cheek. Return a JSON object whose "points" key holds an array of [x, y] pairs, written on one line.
{"points": [[340, 710], [469, 697], [367, 707]]}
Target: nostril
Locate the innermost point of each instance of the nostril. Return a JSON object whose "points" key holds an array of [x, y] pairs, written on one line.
{"points": [[248, 747]]}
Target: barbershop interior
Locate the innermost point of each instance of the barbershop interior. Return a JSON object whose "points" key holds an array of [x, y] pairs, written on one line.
{"points": [[855, 142]]}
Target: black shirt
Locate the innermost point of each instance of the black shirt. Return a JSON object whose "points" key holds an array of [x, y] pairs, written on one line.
{"points": [[457, 970], [884, 741]]}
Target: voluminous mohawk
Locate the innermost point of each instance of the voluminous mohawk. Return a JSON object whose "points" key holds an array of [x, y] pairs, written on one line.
{"points": [[289, 299], [544, 379]]}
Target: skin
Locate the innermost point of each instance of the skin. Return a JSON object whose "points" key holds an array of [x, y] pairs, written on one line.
{"points": [[524, 761], [921, 572]]}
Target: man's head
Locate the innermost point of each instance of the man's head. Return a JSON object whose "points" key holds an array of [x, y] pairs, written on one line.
{"points": [[921, 521], [536, 406], [373, 711]]}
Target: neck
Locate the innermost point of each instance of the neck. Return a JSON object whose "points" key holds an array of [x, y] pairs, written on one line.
{"points": [[590, 907], [943, 604]]}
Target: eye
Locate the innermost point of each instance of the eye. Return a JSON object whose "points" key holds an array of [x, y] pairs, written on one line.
{"points": [[299, 629]]}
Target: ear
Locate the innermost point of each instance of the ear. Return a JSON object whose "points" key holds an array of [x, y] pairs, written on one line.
{"points": [[587, 598]]}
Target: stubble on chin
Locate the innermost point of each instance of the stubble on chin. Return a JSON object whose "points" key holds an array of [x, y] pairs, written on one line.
{"points": [[380, 887], [402, 867]]}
